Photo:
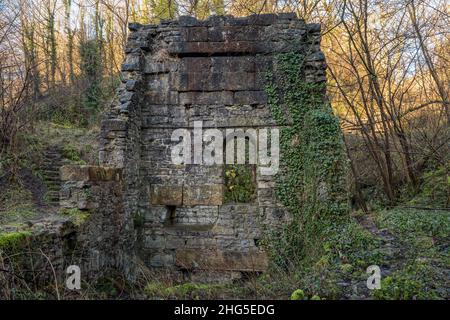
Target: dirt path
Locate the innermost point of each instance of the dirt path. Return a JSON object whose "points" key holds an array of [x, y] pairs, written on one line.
{"points": [[392, 250]]}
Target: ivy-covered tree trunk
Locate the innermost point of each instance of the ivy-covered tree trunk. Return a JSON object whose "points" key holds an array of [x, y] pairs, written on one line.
{"points": [[91, 68], [51, 42], [70, 39]]}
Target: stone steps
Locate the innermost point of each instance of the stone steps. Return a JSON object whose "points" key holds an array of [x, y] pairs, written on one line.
{"points": [[52, 162]]}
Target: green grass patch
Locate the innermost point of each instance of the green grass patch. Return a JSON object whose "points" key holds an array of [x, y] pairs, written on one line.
{"points": [[240, 184], [435, 189], [424, 236], [410, 223], [16, 205], [415, 282], [72, 154], [192, 291]]}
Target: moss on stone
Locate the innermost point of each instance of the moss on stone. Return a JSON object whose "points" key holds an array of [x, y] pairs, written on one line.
{"points": [[77, 216], [12, 240]]}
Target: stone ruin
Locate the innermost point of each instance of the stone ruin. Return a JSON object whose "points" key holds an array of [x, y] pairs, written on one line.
{"points": [[145, 209]]}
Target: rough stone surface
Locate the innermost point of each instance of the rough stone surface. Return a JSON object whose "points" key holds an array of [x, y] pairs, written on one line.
{"points": [[176, 73], [207, 195], [166, 195]]}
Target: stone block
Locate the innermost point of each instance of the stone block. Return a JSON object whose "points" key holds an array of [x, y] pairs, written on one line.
{"points": [[250, 97], [162, 97], [204, 47], [132, 63], [265, 19], [215, 34], [154, 67], [223, 230], [243, 33], [206, 98], [127, 96], [237, 81], [188, 21], [154, 242], [125, 108], [156, 214], [114, 125], [234, 210], [154, 120], [313, 27], [201, 243], [194, 34], [195, 64], [174, 242], [196, 81], [133, 27], [237, 21], [162, 260], [208, 195], [131, 85], [166, 195], [194, 217], [316, 56], [89, 173], [104, 174], [232, 64], [203, 81], [287, 16]]}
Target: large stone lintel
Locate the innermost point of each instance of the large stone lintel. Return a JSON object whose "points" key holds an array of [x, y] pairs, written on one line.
{"points": [[173, 195], [166, 195], [90, 173]]}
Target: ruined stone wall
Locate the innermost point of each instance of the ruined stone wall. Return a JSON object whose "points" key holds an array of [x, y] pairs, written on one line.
{"points": [[89, 233], [175, 73], [102, 238]]}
